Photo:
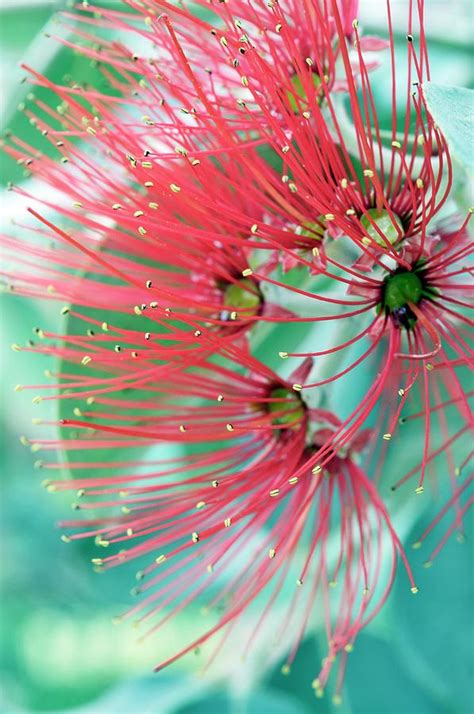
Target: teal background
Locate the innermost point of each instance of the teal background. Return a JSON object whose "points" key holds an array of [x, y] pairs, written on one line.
{"points": [[60, 650]]}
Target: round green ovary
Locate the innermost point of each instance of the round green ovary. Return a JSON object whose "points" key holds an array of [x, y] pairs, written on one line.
{"points": [[298, 91], [389, 226], [402, 288], [287, 412], [243, 295]]}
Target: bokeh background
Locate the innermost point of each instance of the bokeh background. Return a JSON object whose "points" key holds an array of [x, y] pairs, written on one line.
{"points": [[59, 649]]}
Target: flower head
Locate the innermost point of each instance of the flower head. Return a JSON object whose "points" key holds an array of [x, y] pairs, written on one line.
{"points": [[229, 516], [234, 190]]}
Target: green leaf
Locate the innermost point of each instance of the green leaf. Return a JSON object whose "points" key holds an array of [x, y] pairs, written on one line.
{"points": [[433, 632], [452, 108], [377, 673]]}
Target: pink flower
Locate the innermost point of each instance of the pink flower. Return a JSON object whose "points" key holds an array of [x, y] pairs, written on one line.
{"points": [[190, 518], [221, 186]]}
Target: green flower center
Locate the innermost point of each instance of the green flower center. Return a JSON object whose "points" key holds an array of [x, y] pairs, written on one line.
{"points": [[243, 296], [285, 412], [402, 288], [389, 225], [298, 92]]}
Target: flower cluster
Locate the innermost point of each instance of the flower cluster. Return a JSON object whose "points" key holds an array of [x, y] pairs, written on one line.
{"points": [[227, 201]]}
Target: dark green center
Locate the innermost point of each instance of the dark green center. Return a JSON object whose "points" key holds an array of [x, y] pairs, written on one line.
{"points": [[285, 412], [244, 296], [401, 289]]}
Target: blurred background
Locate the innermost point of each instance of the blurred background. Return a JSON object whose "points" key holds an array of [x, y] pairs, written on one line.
{"points": [[60, 651]]}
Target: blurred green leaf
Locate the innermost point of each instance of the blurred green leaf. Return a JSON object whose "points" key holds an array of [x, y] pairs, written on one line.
{"points": [[434, 631], [377, 673], [452, 108]]}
